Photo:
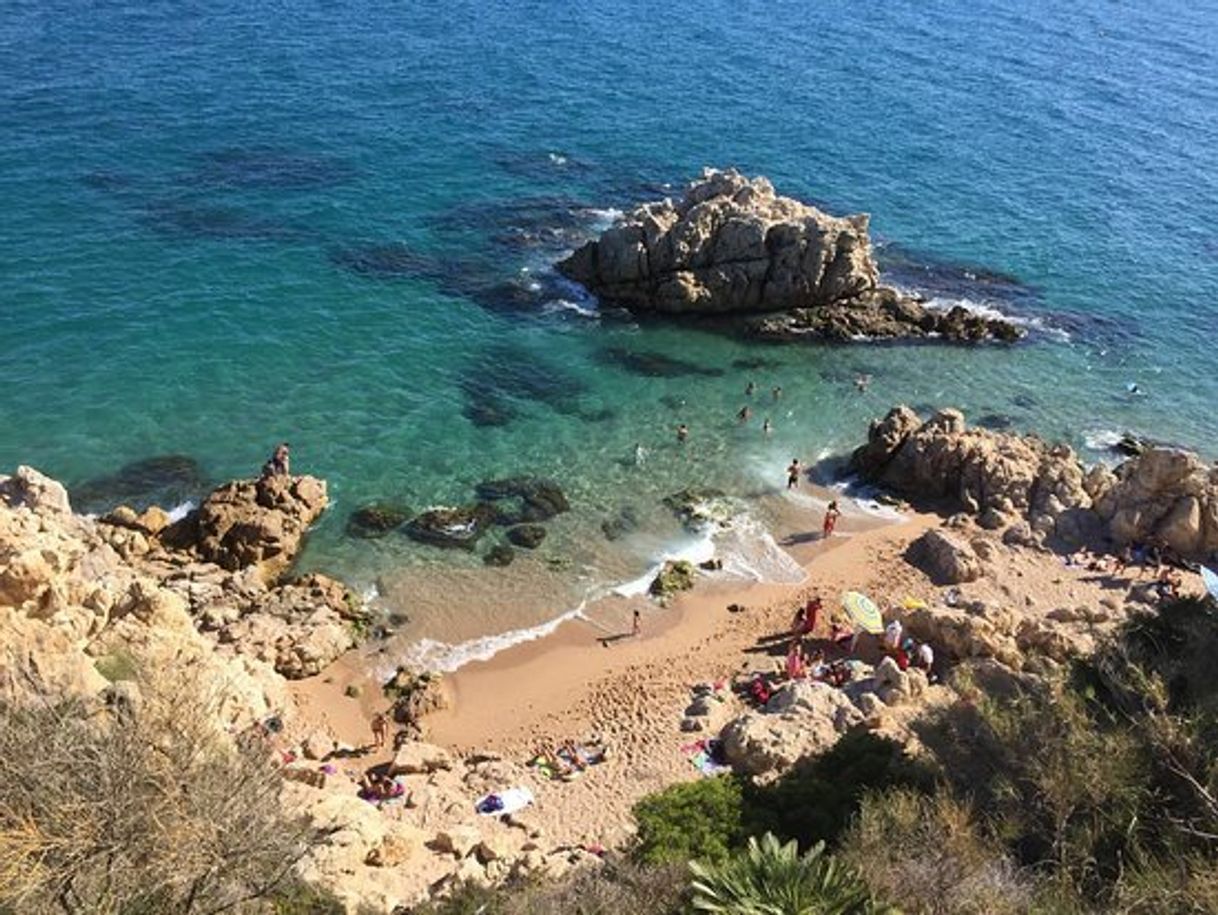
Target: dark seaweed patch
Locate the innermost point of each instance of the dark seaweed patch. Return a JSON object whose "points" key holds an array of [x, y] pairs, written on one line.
{"points": [[504, 376], [267, 167], [384, 260], [165, 480], [755, 363], [651, 364], [198, 221], [996, 421]]}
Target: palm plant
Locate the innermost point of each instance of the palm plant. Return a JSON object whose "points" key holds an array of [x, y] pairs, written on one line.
{"points": [[769, 878]]}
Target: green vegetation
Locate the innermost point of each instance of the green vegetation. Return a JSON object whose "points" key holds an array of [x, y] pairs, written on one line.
{"points": [[117, 665], [769, 878], [693, 820]]}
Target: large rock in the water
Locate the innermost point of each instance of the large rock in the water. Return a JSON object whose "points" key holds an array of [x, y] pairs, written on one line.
{"points": [[731, 244], [255, 522], [376, 520], [460, 527]]}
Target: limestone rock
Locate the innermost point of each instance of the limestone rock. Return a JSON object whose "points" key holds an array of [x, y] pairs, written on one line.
{"points": [[458, 840], [460, 527], [255, 522], [39, 493], [415, 757], [948, 561], [400, 845], [376, 520], [801, 718]]}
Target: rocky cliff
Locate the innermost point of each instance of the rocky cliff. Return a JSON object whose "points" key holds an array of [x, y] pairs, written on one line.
{"points": [[732, 246], [1036, 490]]}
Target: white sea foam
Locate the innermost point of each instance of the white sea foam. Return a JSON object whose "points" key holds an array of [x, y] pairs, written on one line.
{"points": [[178, 512], [991, 312], [1101, 439], [558, 306], [602, 218], [430, 654], [558, 158]]}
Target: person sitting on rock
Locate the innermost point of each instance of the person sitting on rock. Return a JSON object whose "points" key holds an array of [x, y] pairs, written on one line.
{"points": [[795, 661], [279, 464]]}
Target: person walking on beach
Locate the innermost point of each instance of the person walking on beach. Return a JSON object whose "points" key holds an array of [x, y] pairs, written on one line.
{"points": [[637, 626], [682, 433], [831, 515], [279, 464], [380, 730], [793, 473]]}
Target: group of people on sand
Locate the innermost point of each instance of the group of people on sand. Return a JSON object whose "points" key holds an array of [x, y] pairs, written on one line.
{"points": [[813, 662], [1155, 559]]}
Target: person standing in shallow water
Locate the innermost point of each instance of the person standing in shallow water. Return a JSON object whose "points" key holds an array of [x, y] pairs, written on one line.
{"points": [[749, 389], [767, 427], [793, 473], [744, 414], [682, 433]]}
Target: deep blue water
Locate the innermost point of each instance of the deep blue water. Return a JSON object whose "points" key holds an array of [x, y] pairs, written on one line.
{"points": [[237, 223]]}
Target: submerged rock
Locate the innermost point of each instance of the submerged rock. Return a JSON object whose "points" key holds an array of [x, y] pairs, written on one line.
{"points": [[167, 479], [529, 536], [452, 527], [376, 520], [624, 521], [699, 505], [651, 364], [530, 499], [500, 555]]}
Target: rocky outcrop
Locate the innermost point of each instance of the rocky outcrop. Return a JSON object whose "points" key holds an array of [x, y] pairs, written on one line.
{"points": [[254, 522], [732, 246], [376, 520], [1036, 490], [459, 528], [1162, 495]]}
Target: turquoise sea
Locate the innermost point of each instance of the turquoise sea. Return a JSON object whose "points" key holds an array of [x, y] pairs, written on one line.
{"points": [[230, 224]]}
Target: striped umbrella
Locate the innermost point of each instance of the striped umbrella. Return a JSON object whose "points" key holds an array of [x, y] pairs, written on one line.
{"points": [[863, 612]]}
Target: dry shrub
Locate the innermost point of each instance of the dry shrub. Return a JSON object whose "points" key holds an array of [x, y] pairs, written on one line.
{"points": [[927, 855], [141, 807]]}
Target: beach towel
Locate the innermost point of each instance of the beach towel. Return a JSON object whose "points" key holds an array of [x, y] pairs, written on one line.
{"points": [[707, 757], [509, 800]]}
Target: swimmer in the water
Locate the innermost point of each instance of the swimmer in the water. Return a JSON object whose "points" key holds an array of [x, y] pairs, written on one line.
{"points": [[861, 382], [640, 454], [777, 392], [682, 433], [766, 427], [793, 473], [744, 414], [749, 389]]}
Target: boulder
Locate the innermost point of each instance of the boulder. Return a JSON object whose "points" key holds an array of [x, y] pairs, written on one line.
{"points": [[457, 840], [528, 536], [946, 560], [500, 555], [254, 522], [317, 745], [801, 718], [698, 506], [459, 527], [415, 757], [400, 845], [376, 520], [415, 694], [674, 577], [27, 488]]}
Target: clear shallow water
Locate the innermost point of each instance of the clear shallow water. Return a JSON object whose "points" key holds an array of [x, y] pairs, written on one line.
{"points": [[190, 199]]}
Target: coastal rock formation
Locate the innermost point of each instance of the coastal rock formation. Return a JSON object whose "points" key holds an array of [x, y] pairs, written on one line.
{"points": [[732, 246], [674, 577], [524, 500], [1037, 490], [460, 527], [376, 520], [255, 522]]}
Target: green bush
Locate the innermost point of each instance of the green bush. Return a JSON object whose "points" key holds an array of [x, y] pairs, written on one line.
{"points": [[699, 819], [117, 665], [816, 800]]}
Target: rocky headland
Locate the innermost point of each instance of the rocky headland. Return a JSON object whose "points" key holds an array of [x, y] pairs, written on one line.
{"points": [[779, 269]]}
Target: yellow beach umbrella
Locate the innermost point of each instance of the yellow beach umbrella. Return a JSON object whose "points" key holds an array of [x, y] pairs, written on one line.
{"points": [[863, 612]]}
